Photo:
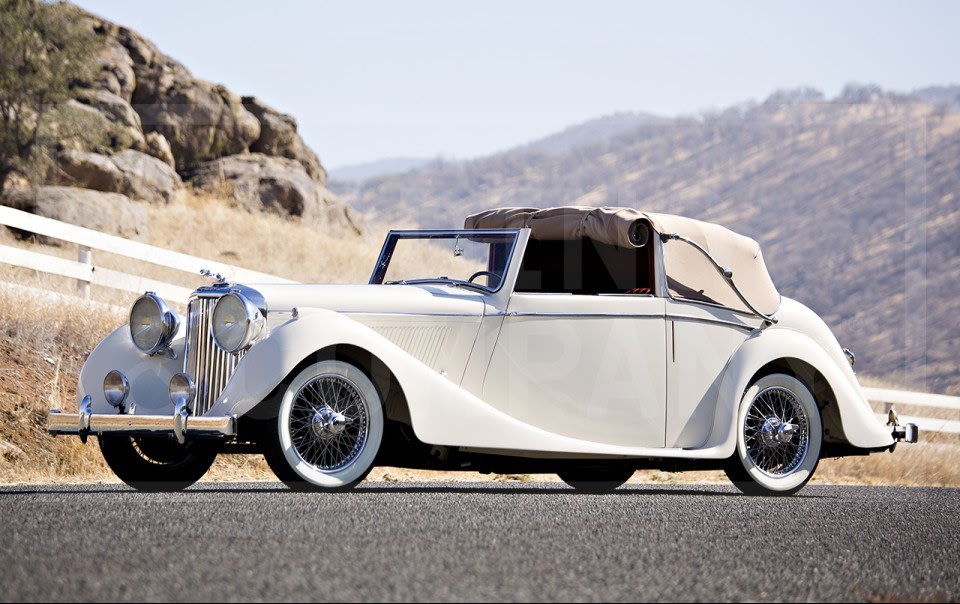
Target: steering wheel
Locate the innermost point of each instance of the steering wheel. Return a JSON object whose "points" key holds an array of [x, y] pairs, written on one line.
{"points": [[480, 274]]}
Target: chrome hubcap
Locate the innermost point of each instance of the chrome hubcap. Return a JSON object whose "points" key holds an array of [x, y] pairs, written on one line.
{"points": [[329, 422], [776, 433]]}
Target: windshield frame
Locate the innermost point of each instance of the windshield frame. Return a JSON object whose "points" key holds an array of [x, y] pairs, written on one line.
{"points": [[393, 237]]}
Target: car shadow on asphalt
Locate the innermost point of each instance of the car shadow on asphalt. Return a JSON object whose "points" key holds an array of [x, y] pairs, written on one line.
{"points": [[637, 490], [629, 491]]}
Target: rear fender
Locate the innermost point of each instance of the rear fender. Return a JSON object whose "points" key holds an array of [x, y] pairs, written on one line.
{"points": [[860, 426]]}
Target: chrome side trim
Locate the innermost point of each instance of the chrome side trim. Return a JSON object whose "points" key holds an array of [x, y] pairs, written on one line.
{"points": [[710, 321], [587, 315], [103, 423], [737, 311], [726, 273], [389, 313]]}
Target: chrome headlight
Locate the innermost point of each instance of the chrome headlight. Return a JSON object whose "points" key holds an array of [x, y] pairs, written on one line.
{"points": [[237, 322], [181, 389], [115, 388], [152, 324]]}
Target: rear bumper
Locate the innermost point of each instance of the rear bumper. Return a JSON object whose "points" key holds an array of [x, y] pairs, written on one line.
{"points": [[179, 426], [902, 432]]}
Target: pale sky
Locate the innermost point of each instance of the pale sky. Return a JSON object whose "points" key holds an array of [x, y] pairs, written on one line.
{"points": [[373, 79]]}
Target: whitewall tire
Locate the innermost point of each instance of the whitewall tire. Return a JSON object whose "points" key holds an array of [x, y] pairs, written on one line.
{"points": [[328, 429], [779, 437]]}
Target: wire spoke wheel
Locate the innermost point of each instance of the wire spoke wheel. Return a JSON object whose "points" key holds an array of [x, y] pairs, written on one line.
{"points": [[780, 433], [329, 422], [328, 428], [776, 431]]}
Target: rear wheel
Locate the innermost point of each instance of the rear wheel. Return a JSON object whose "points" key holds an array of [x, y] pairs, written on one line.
{"points": [[156, 464], [779, 435], [328, 428], [596, 479]]}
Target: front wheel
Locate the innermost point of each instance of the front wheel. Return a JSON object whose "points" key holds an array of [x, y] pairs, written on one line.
{"points": [[328, 428], [779, 435], [156, 464]]}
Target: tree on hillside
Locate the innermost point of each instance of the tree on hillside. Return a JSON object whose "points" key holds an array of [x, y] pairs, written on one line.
{"points": [[44, 50]]}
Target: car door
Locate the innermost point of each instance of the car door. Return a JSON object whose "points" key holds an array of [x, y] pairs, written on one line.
{"points": [[706, 325], [590, 367], [701, 339]]}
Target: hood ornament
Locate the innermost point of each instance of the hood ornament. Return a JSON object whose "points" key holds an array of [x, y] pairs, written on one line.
{"points": [[220, 279]]}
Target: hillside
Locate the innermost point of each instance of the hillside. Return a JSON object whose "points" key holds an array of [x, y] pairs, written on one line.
{"points": [[855, 201], [592, 131]]}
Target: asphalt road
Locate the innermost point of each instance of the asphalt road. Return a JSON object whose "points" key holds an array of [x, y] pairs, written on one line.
{"points": [[485, 541]]}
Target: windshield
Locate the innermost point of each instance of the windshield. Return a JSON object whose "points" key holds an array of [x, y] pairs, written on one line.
{"points": [[475, 259]]}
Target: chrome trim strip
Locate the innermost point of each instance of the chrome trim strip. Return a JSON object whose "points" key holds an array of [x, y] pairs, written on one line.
{"points": [[102, 423], [575, 315], [738, 311], [390, 313], [663, 289], [726, 273], [710, 321]]}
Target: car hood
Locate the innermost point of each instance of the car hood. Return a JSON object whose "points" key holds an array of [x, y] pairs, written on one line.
{"points": [[426, 299]]}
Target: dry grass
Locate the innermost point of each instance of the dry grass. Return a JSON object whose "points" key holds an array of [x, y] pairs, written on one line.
{"points": [[44, 341]]}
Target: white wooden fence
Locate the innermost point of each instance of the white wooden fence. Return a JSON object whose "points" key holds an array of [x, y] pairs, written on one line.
{"points": [[919, 399], [86, 272]]}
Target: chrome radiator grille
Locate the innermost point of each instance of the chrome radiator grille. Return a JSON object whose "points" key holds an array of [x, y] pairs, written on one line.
{"points": [[208, 366]]}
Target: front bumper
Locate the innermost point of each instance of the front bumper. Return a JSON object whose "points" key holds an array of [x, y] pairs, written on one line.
{"points": [[179, 425]]}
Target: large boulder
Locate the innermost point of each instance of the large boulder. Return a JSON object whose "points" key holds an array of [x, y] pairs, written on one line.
{"points": [[275, 184], [132, 173], [79, 125], [278, 136], [116, 73], [201, 121], [110, 213], [158, 147], [114, 107], [146, 177], [90, 170]]}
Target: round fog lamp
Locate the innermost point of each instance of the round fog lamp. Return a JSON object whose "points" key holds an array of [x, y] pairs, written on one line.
{"points": [[152, 324], [181, 389], [237, 322], [115, 388]]}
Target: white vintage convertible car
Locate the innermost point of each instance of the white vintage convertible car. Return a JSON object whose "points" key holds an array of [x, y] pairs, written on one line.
{"points": [[586, 342]]}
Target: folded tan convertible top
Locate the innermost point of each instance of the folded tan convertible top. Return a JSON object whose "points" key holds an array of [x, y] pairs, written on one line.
{"points": [[627, 227]]}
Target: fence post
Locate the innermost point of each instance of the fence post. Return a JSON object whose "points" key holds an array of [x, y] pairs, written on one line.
{"points": [[84, 256]]}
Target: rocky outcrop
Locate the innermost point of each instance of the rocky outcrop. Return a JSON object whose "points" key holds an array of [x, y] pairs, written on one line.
{"points": [[105, 212], [141, 123], [200, 120], [274, 184], [132, 173], [278, 136]]}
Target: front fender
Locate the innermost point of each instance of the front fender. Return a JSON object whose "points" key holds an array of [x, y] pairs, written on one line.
{"points": [[860, 425], [148, 376]]}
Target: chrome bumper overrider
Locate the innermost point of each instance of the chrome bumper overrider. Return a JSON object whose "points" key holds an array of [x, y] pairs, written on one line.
{"points": [[179, 425], [902, 432]]}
